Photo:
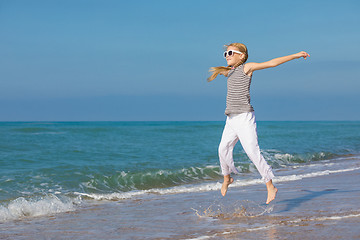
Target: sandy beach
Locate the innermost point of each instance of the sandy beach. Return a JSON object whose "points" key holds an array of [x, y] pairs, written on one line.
{"points": [[321, 204]]}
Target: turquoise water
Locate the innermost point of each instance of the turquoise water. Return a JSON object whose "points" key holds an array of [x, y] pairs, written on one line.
{"points": [[64, 161]]}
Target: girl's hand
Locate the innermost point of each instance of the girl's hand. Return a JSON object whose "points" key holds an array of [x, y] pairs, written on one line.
{"points": [[302, 54]]}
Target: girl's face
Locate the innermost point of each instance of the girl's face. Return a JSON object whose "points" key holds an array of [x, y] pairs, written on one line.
{"points": [[235, 58]]}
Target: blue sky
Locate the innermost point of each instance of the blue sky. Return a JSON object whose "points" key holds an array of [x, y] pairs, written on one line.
{"points": [[84, 60]]}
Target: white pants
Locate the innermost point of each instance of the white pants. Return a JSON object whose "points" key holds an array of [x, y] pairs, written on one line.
{"points": [[242, 127]]}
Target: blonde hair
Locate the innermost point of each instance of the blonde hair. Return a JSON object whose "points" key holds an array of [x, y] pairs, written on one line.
{"points": [[223, 70]]}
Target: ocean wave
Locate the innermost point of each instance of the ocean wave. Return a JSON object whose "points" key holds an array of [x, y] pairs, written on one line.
{"points": [[214, 186], [31, 130], [166, 178], [158, 191], [38, 131], [149, 179], [50, 204], [283, 159]]}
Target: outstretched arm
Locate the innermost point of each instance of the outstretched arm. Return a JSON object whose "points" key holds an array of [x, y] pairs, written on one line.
{"points": [[249, 68]]}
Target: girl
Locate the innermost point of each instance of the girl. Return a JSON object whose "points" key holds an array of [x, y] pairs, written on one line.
{"points": [[240, 122]]}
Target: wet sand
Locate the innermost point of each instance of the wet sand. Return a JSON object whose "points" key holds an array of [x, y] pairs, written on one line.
{"points": [[319, 207]]}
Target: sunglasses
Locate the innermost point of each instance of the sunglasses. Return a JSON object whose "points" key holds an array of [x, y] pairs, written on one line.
{"points": [[230, 53]]}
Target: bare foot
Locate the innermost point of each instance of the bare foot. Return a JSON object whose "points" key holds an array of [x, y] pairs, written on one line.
{"points": [[272, 190], [227, 181]]}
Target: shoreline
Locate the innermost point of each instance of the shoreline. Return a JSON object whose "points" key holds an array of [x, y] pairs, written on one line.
{"points": [[318, 206]]}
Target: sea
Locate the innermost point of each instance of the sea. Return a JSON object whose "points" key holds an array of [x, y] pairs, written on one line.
{"points": [[162, 180]]}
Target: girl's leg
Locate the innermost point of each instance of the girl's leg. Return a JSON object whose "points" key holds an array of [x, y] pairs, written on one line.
{"points": [[248, 137], [228, 140], [226, 147]]}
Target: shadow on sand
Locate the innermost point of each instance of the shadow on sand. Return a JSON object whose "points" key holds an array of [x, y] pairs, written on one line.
{"points": [[296, 202]]}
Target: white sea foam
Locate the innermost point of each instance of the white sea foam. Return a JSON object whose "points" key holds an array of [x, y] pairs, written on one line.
{"points": [[262, 228], [202, 237], [161, 191], [296, 221], [335, 217], [209, 237], [206, 187], [313, 174], [21, 207], [266, 227], [43, 133], [284, 157], [316, 165]]}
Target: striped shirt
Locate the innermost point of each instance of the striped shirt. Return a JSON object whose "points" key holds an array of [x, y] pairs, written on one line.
{"points": [[238, 92]]}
